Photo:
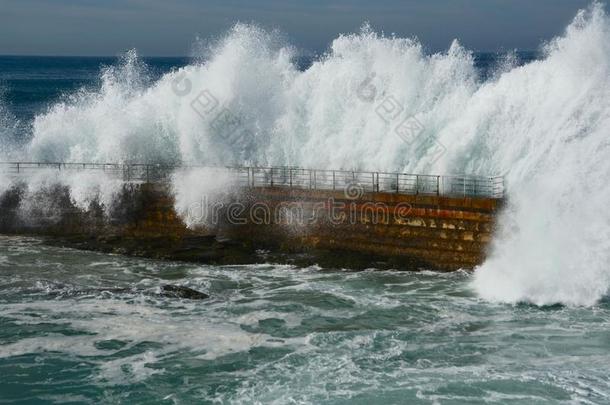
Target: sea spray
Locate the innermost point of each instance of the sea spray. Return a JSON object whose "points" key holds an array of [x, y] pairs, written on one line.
{"points": [[9, 144], [248, 103], [200, 193], [9, 131], [547, 127], [543, 125], [46, 195], [162, 123]]}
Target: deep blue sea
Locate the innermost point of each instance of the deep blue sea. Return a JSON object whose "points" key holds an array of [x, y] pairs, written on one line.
{"points": [[29, 85]]}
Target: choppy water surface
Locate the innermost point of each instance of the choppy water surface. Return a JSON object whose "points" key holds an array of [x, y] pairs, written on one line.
{"points": [[279, 334]]}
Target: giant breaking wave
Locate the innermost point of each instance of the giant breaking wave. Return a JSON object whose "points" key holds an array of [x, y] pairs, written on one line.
{"points": [[543, 125]]}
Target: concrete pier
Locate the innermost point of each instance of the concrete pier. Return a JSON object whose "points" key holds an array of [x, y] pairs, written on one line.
{"points": [[407, 221], [432, 232]]}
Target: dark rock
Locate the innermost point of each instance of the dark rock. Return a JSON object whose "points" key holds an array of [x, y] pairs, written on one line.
{"points": [[9, 204], [175, 291]]}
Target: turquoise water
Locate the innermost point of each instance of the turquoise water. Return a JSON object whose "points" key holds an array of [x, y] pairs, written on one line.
{"points": [[280, 334]]}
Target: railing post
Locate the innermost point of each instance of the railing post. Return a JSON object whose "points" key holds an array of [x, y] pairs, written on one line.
{"points": [[438, 185], [373, 184], [472, 186]]}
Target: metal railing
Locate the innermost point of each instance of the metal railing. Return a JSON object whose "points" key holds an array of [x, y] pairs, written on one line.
{"points": [[291, 177]]}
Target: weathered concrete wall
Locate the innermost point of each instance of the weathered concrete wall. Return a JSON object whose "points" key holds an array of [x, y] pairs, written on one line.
{"points": [[419, 231], [409, 232]]}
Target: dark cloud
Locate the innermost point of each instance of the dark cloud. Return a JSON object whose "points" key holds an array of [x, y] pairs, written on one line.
{"points": [[163, 27]]}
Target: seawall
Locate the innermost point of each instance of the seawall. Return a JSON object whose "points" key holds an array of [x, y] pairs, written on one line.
{"points": [[414, 231], [286, 216]]}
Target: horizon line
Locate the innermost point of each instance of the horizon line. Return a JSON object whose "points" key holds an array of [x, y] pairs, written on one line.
{"points": [[2, 55]]}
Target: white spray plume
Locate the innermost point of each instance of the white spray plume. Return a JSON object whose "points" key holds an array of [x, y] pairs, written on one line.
{"points": [[545, 125]]}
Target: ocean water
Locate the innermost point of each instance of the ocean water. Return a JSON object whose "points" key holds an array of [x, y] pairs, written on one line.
{"points": [[530, 325], [280, 334], [32, 84]]}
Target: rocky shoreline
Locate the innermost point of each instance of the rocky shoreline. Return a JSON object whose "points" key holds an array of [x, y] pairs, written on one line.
{"points": [[210, 250]]}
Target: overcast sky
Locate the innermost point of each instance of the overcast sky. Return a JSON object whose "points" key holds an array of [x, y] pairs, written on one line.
{"points": [[169, 27]]}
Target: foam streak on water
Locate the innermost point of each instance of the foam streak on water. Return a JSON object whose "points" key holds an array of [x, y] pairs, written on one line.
{"points": [[89, 327]]}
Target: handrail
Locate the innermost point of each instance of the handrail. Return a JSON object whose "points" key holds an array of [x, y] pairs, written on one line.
{"points": [[293, 177]]}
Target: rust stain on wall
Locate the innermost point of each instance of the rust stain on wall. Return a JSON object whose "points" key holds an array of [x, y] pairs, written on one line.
{"points": [[432, 232]]}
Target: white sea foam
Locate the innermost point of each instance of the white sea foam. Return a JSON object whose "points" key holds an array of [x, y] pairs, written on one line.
{"points": [[40, 196], [197, 190], [544, 125], [129, 322], [548, 128], [9, 127]]}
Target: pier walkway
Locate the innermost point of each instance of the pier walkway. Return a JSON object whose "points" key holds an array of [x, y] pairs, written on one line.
{"points": [[286, 177]]}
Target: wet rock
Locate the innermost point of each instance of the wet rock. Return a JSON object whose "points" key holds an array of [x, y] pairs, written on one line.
{"points": [[175, 291]]}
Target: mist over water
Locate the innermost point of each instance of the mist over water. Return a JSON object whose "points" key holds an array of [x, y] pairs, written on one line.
{"points": [[543, 125]]}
